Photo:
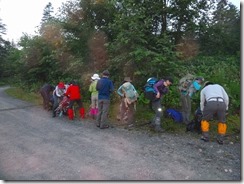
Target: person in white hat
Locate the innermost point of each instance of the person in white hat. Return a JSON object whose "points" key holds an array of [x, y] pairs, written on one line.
{"points": [[94, 96]]}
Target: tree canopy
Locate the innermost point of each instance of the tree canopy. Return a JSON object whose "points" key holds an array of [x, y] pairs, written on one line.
{"points": [[136, 38]]}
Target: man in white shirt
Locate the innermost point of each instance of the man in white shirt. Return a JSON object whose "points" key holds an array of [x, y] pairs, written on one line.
{"points": [[214, 100]]}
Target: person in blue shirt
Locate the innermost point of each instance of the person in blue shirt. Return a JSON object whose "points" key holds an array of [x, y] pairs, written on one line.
{"points": [[104, 87], [186, 96]]}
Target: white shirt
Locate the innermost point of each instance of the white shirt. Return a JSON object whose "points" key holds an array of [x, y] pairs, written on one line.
{"points": [[213, 91], [60, 92]]}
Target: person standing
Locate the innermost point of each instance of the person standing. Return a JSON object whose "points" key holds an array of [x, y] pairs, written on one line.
{"points": [[46, 93], [129, 96], [94, 95], [213, 101], [73, 92], [186, 96], [104, 87], [161, 88]]}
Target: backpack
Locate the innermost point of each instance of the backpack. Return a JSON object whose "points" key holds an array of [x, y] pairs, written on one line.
{"points": [[148, 87], [185, 82], [195, 124], [130, 92], [175, 115]]}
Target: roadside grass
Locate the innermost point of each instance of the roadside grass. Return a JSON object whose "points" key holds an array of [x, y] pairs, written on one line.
{"points": [[143, 115], [19, 93]]}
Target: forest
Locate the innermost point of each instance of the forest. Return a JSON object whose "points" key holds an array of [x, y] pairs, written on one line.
{"points": [[134, 38]]}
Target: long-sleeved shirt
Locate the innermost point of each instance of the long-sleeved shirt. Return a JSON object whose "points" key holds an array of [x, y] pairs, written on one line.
{"points": [[60, 92], [128, 90], [160, 87], [73, 92], [92, 88], [105, 87], [213, 91]]}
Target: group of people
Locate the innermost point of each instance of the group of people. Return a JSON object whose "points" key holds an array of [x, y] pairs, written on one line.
{"points": [[54, 95], [213, 101]]}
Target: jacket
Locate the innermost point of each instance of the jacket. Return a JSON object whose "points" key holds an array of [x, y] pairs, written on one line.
{"points": [[73, 92], [105, 87], [161, 88]]}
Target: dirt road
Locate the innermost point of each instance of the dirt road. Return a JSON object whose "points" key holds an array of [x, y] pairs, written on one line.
{"points": [[35, 146]]}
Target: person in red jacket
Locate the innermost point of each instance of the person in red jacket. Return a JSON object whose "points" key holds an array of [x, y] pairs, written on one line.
{"points": [[73, 92]]}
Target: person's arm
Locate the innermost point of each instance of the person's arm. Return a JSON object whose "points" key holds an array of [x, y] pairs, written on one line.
{"points": [[98, 86], [202, 100], [226, 98], [135, 90], [67, 93], [155, 87], [119, 91], [91, 87], [57, 92]]}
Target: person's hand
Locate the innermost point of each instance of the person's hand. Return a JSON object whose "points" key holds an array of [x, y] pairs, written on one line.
{"points": [[158, 95]]}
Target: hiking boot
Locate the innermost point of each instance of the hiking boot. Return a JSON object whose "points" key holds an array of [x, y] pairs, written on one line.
{"points": [[220, 139], [205, 139], [220, 142], [152, 124], [159, 129], [104, 127]]}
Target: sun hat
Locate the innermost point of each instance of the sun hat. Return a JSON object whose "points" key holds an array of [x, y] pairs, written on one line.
{"points": [[201, 79], [127, 79], [95, 77]]}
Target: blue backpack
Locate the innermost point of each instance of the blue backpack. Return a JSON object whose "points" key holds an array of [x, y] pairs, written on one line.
{"points": [[175, 115], [149, 85]]}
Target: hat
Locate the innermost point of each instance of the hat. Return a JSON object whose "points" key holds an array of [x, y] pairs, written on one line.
{"points": [[106, 72], [200, 79], [95, 77], [169, 79], [61, 85], [207, 83], [127, 79]]}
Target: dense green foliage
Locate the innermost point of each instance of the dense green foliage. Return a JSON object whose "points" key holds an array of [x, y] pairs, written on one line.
{"points": [[136, 38]]}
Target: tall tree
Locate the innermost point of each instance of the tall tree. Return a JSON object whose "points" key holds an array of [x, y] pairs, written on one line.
{"points": [[223, 33], [5, 47], [47, 13]]}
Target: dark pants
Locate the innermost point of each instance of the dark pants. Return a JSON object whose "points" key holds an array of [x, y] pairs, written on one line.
{"points": [[185, 108], [56, 101], [157, 107], [78, 101], [103, 108], [214, 108]]}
